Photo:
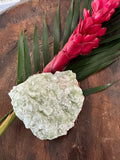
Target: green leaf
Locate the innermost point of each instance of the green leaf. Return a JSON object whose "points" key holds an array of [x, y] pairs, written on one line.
{"points": [[20, 68], [113, 24], [89, 4], [90, 91], [106, 47], [86, 2], [113, 29], [45, 44], [99, 53], [85, 5], [94, 63], [27, 61], [110, 39], [76, 16], [10, 118], [3, 118], [56, 32], [81, 75], [36, 51], [114, 17], [67, 30]]}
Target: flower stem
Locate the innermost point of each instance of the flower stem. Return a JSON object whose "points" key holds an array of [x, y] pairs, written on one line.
{"points": [[10, 118], [3, 118]]}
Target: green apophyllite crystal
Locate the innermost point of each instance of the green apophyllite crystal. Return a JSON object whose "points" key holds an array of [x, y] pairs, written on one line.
{"points": [[48, 104]]}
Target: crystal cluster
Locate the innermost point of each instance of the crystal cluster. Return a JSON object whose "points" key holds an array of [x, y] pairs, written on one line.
{"points": [[48, 104]]}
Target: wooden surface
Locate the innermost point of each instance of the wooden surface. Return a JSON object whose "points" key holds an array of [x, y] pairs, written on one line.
{"points": [[96, 135]]}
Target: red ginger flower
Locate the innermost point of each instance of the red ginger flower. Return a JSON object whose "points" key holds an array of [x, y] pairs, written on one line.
{"points": [[86, 35]]}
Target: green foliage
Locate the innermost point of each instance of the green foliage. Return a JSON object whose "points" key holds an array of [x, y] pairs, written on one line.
{"points": [[110, 39], [85, 5], [36, 51], [27, 60], [56, 32], [6, 115], [67, 30], [89, 4], [90, 91], [20, 69], [93, 63], [7, 122], [45, 44], [76, 16]]}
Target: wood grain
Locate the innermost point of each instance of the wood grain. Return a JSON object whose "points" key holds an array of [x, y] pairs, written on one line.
{"points": [[96, 135]]}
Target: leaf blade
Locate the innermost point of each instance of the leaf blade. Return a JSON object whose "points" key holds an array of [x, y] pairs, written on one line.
{"points": [[89, 5], [85, 5], [90, 91], [67, 30], [90, 64], [5, 116], [110, 39], [27, 61], [56, 32], [76, 16], [20, 68], [36, 51], [45, 44], [6, 123]]}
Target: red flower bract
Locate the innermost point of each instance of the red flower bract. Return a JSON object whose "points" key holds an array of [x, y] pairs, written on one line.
{"points": [[103, 9], [86, 36]]}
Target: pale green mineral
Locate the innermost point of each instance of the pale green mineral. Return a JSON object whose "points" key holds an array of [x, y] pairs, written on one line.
{"points": [[48, 104]]}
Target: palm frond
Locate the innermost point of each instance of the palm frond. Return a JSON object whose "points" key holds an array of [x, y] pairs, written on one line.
{"points": [[36, 51], [56, 32], [89, 4], [90, 91], [110, 39], [6, 115], [20, 69], [94, 63], [45, 44], [113, 28], [6, 123], [85, 5], [27, 60], [67, 30], [76, 16]]}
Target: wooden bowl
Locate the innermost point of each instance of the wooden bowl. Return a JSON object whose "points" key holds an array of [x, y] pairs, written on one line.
{"points": [[96, 135]]}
